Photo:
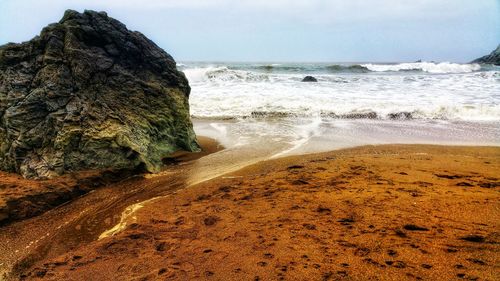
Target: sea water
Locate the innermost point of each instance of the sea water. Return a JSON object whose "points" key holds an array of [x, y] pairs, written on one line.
{"points": [[351, 104]]}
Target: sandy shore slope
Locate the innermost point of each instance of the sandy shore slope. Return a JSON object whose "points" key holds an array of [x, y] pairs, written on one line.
{"points": [[73, 210], [393, 212]]}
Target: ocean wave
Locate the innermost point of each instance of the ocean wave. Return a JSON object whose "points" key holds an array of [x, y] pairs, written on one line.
{"points": [[325, 73], [451, 113], [220, 91], [222, 74], [303, 68], [430, 67], [355, 68], [277, 68]]}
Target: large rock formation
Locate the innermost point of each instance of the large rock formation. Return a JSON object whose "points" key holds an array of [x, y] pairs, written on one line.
{"points": [[492, 58], [90, 94]]}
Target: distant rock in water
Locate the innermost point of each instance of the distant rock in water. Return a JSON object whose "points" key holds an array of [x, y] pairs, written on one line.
{"points": [[87, 93], [309, 79], [492, 58]]}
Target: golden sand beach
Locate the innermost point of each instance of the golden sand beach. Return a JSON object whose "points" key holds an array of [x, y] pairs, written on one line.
{"points": [[390, 212]]}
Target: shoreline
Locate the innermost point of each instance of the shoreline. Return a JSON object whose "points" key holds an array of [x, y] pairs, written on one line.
{"points": [[299, 187], [296, 136]]}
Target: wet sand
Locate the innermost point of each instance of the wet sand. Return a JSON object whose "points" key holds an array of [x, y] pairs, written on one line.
{"points": [[390, 212], [82, 220]]}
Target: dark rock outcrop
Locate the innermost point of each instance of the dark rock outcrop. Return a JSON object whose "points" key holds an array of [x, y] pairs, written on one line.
{"points": [[23, 198], [492, 58], [309, 79], [87, 93]]}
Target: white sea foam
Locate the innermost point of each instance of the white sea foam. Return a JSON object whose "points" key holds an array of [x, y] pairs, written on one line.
{"points": [[223, 74], [269, 107], [278, 138], [302, 135], [444, 67], [224, 92]]}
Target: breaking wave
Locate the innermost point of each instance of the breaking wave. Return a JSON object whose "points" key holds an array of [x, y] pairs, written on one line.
{"points": [[431, 91], [222, 74], [254, 72], [325, 73], [431, 67]]}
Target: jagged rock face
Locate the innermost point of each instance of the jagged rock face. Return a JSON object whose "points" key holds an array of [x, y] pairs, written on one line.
{"points": [[90, 94], [492, 58]]}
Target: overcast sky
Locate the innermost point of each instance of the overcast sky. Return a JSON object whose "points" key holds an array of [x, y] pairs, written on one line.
{"points": [[286, 30]]}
